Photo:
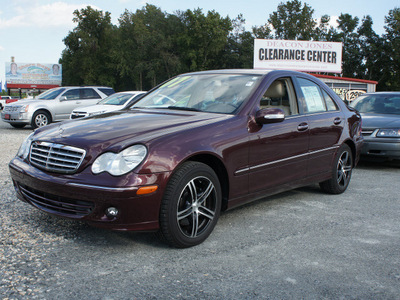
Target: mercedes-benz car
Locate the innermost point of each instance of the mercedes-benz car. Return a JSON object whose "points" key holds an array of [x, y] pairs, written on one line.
{"points": [[194, 146], [114, 102], [380, 112]]}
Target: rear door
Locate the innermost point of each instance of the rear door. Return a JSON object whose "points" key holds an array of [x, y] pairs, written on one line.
{"points": [[325, 121]]}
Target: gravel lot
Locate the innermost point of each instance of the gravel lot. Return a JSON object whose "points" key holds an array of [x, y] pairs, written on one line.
{"points": [[299, 244]]}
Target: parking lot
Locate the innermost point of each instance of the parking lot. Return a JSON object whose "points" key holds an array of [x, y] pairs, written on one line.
{"points": [[299, 244]]}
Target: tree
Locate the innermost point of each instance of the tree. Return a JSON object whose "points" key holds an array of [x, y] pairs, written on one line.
{"points": [[203, 39], [292, 21], [392, 46], [371, 49], [238, 52], [87, 58], [352, 58], [145, 50]]}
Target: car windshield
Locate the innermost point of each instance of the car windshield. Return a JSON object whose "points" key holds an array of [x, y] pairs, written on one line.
{"points": [[116, 99], [378, 104], [218, 93], [50, 94]]}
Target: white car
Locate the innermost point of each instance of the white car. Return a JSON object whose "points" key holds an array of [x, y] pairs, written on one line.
{"points": [[114, 102]]}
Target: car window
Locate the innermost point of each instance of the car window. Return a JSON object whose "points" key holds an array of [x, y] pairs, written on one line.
{"points": [[116, 99], [216, 93], [280, 94], [72, 94], [107, 91], [378, 103], [89, 94], [330, 103], [50, 94], [314, 101]]}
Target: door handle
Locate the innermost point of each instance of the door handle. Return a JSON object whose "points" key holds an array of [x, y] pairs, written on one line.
{"points": [[337, 121], [302, 127]]}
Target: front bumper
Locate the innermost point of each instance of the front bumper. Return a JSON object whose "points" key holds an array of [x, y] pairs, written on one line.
{"points": [[15, 117], [387, 148], [75, 197]]}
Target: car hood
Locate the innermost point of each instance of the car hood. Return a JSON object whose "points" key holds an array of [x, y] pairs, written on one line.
{"points": [[98, 107], [27, 101], [380, 121], [115, 130]]}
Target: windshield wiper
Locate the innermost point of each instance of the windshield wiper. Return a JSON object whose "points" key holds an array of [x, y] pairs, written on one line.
{"points": [[183, 108]]}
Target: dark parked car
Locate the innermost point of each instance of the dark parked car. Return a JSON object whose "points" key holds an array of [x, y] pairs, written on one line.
{"points": [[381, 124], [194, 146]]}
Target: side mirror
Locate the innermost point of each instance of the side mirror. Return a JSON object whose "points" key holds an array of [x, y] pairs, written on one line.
{"points": [[270, 115], [63, 98]]}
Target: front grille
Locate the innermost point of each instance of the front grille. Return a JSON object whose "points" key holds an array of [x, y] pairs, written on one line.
{"points": [[367, 131], [12, 108], [56, 157], [56, 204], [78, 114]]}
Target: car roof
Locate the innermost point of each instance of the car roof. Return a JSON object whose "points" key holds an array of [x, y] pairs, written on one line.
{"points": [[383, 93]]}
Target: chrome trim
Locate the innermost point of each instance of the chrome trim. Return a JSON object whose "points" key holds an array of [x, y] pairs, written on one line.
{"points": [[283, 159], [96, 187], [56, 157]]}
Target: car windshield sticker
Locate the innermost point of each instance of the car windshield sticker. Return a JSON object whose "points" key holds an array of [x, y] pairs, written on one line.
{"points": [[175, 81]]}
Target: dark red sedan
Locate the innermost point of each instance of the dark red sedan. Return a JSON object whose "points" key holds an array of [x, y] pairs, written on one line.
{"points": [[194, 146]]}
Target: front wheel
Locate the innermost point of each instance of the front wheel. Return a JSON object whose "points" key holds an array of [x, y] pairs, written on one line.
{"points": [[40, 119], [17, 125], [191, 205], [341, 172]]}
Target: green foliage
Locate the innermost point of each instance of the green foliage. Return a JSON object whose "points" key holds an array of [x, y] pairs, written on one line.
{"points": [[86, 59], [391, 50], [149, 45], [292, 21]]}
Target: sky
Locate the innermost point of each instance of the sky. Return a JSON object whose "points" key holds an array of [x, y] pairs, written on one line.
{"points": [[33, 30]]}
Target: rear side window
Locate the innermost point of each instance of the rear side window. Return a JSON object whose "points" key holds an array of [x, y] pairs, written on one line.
{"points": [[89, 94], [314, 101], [107, 91], [330, 104]]}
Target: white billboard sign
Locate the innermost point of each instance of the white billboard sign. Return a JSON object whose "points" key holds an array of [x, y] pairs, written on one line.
{"points": [[298, 55]]}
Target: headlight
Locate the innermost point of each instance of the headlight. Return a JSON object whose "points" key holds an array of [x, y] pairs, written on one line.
{"points": [[24, 108], [25, 146], [395, 133], [120, 163]]}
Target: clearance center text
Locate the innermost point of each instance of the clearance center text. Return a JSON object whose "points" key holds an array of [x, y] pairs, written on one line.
{"points": [[298, 55]]}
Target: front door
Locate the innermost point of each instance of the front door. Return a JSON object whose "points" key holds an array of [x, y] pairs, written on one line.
{"points": [[278, 151]]}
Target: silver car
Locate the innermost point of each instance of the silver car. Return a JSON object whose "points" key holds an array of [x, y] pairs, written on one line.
{"points": [[380, 124], [52, 106]]}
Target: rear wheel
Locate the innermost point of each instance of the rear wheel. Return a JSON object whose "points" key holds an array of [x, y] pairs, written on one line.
{"points": [[191, 205], [40, 119], [341, 172]]}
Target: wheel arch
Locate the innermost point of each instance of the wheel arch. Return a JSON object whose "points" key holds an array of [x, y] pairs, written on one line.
{"points": [[43, 110], [219, 168], [352, 146]]}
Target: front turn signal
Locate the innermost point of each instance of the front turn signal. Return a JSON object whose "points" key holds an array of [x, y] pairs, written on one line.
{"points": [[144, 190]]}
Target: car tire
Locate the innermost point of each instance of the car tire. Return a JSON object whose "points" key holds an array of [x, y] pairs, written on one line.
{"points": [[40, 119], [191, 205], [341, 172], [18, 125]]}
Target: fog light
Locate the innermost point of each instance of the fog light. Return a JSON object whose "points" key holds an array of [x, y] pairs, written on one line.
{"points": [[112, 212]]}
